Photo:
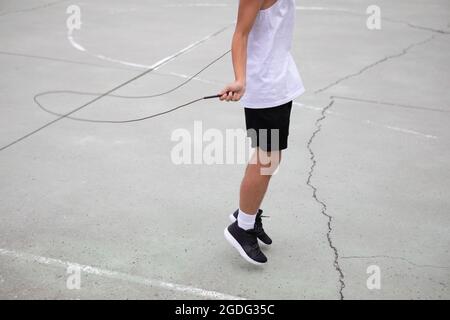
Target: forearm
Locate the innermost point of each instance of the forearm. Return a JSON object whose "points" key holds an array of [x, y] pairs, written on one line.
{"points": [[247, 13], [239, 56]]}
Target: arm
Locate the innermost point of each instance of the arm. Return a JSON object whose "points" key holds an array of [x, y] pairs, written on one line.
{"points": [[248, 10]]}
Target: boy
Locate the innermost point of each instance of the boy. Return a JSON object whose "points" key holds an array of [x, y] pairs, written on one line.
{"points": [[267, 80]]}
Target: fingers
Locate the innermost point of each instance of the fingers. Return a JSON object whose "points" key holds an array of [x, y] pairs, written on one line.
{"points": [[224, 93], [228, 94]]}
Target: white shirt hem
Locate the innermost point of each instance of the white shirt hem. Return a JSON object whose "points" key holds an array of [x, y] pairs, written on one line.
{"points": [[276, 103]]}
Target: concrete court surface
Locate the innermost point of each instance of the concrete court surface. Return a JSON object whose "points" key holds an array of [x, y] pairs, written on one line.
{"points": [[364, 186]]}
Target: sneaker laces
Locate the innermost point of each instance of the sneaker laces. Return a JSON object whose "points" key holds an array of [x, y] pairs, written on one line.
{"points": [[258, 223]]}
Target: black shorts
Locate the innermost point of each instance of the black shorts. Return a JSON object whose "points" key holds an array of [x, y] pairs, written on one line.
{"points": [[268, 126]]}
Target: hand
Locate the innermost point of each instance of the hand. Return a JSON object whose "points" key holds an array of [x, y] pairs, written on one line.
{"points": [[232, 92]]}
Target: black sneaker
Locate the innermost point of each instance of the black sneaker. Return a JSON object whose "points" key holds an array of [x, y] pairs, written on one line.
{"points": [[260, 233], [246, 242]]}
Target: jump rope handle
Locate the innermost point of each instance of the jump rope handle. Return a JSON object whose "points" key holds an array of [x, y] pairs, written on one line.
{"points": [[212, 97]]}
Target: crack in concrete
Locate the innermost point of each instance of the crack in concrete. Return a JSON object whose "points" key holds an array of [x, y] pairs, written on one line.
{"points": [[319, 127], [389, 57], [399, 105], [313, 156], [416, 26], [397, 258], [320, 202], [391, 20]]}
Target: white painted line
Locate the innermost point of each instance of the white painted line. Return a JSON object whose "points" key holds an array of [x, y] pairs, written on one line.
{"points": [[184, 5], [403, 130], [119, 276], [131, 64], [311, 8], [321, 9], [315, 108], [184, 76], [74, 43], [370, 122], [154, 66], [79, 47], [126, 63]]}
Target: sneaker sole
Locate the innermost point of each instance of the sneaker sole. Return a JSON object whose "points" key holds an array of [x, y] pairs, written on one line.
{"points": [[238, 247]]}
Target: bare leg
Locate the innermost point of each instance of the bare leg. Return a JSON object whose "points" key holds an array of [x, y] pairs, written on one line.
{"points": [[256, 179]]}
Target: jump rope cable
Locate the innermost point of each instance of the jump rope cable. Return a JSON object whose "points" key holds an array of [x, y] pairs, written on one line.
{"points": [[109, 93]]}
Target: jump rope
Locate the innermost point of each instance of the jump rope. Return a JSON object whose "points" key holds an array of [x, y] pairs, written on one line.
{"points": [[99, 96]]}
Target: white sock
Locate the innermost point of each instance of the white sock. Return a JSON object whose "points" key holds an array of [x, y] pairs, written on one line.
{"points": [[246, 221]]}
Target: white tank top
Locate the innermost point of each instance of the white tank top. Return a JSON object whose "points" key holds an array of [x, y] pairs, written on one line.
{"points": [[272, 76]]}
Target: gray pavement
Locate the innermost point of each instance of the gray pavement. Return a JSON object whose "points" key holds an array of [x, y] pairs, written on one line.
{"points": [[364, 183]]}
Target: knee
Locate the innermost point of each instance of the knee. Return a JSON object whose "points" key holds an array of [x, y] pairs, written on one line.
{"points": [[269, 162]]}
